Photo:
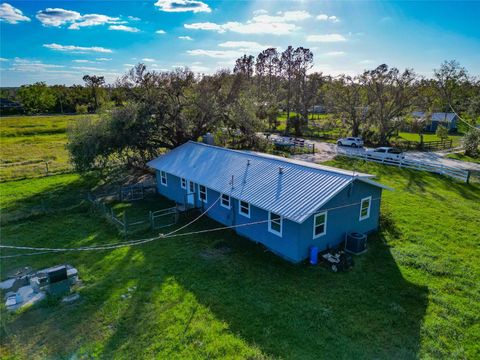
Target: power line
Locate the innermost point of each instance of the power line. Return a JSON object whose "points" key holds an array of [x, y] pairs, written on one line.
{"points": [[161, 236]]}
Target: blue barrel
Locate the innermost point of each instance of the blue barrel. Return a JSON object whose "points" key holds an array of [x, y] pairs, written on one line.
{"points": [[314, 255]]}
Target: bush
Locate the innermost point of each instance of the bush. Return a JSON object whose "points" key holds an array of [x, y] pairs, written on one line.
{"points": [[442, 132], [471, 142], [81, 109]]}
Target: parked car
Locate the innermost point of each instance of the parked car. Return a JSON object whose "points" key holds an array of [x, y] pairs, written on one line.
{"points": [[386, 153], [350, 141]]}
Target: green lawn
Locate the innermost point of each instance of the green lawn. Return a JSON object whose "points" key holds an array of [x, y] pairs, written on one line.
{"points": [[463, 157], [28, 141], [456, 139], [414, 294]]}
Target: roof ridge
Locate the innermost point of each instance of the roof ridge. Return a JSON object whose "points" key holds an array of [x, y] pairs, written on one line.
{"points": [[301, 163]]}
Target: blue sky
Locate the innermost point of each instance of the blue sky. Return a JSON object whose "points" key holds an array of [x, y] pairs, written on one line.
{"points": [[60, 41]]}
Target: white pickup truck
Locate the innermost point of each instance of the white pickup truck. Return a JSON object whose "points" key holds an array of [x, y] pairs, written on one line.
{"points": [[385, 153]]}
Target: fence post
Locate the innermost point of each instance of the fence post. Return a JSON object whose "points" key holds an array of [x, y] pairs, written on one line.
{"points": [[467, 180], [125, 227], [313, 148]]}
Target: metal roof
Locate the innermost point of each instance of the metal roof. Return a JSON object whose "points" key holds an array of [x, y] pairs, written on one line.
{"points": [[294, 192], [437, 116]]}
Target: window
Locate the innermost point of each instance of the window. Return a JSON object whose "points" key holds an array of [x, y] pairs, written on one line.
{"points": [[319, 224], [183, 183], [202, 193], [244, 208], [275, 223], [365, 208], [225, 201], [191, 187], [163, 178]]}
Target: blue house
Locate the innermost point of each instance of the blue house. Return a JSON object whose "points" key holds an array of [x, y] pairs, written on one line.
{"points": [[287, 205], [449, 120]]}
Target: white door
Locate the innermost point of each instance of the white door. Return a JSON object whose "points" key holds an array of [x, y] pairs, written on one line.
{"points": [[191, 193]]}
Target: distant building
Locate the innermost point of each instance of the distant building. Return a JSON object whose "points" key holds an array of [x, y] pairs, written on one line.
{"points": [[449, 120], [317, 109], [287, 205], [10, 107]]}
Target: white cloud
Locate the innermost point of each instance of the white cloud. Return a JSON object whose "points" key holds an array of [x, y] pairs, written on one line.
{"points": [[87, 68], [286, 16], [134, 18], [364, 62], [246, 46], [129, 65], [335, 53], [325, 17], [83, 61], [326, 38], [76, 49], [273, 28], [221, 54], [185, 38], [11, 15], [123, 28], [160, 32], [57, 17], [25, 65], [260, 12], [280, 24], [182, 6], [103, 59], [3, 59], [148, 60], [94, 20]]}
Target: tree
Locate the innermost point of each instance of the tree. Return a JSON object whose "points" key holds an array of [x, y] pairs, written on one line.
{"points": [[36, 98], [267, 68], [390, 95], [346, 98], [244, 66], [442, 132], [94, 83]]}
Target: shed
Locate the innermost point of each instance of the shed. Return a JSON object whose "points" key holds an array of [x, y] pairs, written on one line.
{"points": [[285, 204], [449, 120]]}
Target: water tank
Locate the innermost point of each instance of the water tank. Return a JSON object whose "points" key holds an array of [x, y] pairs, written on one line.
{"points": [[208, 139], [356, 243]]}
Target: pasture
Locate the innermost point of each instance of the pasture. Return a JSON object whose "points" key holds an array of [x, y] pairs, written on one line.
{"points": [[29, 142], [414, 294]]}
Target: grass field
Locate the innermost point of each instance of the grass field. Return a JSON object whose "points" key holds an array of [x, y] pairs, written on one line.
{"points": [[456, 139], [414, 294], [27, 142], [463, 157]]}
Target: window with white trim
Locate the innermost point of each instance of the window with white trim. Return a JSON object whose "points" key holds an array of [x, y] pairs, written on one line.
{"points": [[163, 178], [365, 205], [202, 193], [244, 208], [225, 201], [183, 183], [319, 224], [275, 223]]}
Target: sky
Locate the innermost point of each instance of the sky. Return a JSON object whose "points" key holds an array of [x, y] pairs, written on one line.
{"points": [[60, 41]]}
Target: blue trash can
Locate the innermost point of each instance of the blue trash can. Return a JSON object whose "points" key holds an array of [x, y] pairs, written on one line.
{"points": [[314, 255]]}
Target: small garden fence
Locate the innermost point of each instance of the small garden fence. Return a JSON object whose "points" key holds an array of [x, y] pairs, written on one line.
{"points": [[459, 174], [130, 224], [292, 145], [425, 146]]}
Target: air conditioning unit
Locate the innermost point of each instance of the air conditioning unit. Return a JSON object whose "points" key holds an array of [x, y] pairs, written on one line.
{"points": [[356, 243]]}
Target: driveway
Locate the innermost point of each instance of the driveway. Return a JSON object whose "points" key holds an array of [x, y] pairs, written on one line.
{"points": [[327, 151]]}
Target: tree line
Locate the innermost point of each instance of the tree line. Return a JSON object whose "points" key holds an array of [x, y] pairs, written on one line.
{"points": [[145, 111]]}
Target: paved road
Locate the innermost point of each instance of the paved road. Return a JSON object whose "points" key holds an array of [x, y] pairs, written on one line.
{"points": [[327, 151]]}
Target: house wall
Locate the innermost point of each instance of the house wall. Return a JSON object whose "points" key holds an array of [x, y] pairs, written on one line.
{"points": [[343, 216], [296, 239]]}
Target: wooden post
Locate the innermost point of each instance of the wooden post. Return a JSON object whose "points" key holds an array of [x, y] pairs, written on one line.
{"points": [[467, 180], [46, 166], [313, 149]]}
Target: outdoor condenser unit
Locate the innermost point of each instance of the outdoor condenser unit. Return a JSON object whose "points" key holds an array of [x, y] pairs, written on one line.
{"points": [[356, 243]]}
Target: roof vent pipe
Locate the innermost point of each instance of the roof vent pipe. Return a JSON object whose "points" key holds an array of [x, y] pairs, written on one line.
{"points": [[248, 162], [280, 170]]}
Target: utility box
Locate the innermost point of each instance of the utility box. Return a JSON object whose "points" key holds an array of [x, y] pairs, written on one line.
{"points": [[356, 243], [208, 139]]}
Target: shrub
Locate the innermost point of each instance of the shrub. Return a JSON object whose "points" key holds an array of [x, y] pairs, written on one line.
{"points": [[471, 142], [81, 109]]}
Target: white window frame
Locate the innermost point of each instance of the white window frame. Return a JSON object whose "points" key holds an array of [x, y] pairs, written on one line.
{"points": [[200, 193], [325, 224], [229, 206], [360, 217], [240, 208], [163, 177], [183, 183], [273, 231]]}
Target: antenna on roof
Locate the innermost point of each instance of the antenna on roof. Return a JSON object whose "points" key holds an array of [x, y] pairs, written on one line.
{"points": [[231, 182]]}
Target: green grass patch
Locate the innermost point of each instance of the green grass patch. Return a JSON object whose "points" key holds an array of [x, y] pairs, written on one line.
{"points": [[414, 294], [456, 138], [463, 157]]}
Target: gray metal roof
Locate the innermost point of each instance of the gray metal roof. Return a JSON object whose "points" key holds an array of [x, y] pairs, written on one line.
{"points": [[437, 116], [295, 194]]}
